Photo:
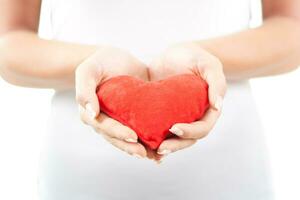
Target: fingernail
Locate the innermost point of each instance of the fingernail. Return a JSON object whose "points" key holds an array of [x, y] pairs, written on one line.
{"points": [[164, 152], [137, 156], [90, 110], [176, 131], [131, 140], [219, 103]]}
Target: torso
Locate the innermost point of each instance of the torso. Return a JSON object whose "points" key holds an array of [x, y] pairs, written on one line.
{"points": [[78, 164]]}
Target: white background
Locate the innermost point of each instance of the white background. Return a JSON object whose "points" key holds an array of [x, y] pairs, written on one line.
{"points": [[23, 116]]}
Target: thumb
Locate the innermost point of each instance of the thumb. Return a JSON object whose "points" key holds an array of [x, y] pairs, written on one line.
{"points": [[91, 106], [216, 81], [215, 97], [86, 88]]}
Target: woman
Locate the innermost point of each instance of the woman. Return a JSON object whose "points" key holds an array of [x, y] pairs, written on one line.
{"points": [[210, 38]]}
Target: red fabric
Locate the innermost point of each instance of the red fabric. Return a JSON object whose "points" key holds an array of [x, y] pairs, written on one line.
{"points": [[151, 108]]}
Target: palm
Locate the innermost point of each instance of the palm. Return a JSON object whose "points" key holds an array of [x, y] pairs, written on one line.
{"points": [[178, 60]]}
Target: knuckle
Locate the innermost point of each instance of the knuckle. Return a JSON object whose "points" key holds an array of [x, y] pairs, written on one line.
{"points": [[191, 131], [85, 122], [204, 73], [205, 129], [112, 133], [204, 134], [188, 143], [201, 133], [100, 131], [167, 145], [188, 134], [112, 142], [118, 132], [193, 142], [197, 135], [105, 137], [82, 118], [174, 146], [99, 126], [110, 125], [126, 149], [79, 98]]}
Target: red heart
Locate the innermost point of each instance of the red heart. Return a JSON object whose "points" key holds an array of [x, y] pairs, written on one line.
{"points": [[151, 108]]}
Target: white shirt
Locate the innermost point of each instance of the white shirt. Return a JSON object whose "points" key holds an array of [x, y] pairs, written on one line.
{"points": [[76, 163]]}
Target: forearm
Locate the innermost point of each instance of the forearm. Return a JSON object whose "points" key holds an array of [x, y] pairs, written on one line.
{"points": [[273, 48], [27, 60]]}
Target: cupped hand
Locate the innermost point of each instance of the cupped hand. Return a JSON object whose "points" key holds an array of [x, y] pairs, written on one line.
{"points": [[192, 59], [103, 64]]}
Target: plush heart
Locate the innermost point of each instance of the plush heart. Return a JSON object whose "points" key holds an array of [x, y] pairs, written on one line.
{"points": [[151, 108]]}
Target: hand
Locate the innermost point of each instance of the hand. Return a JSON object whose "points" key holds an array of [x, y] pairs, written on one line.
{"points": [[105, 63], [191, 58]]}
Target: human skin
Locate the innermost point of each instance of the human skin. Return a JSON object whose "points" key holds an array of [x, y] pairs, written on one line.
{"points": [[27, 60], [190, 58]]}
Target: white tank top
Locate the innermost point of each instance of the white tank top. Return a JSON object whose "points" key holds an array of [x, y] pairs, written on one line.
{"points": [[77, 164], [146, 27]]}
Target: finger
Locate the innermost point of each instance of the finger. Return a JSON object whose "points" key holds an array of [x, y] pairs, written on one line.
{"points": [[174, 144], [112, 128], [155, 69], [152, 155], [134, 149], [216, 92], [86, 97], [108, 126], [212, 73], [198, 129], [87, 80], [83, 115]]}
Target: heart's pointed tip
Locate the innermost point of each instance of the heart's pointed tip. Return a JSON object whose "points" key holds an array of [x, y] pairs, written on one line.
{"points": [[153, 146]]}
